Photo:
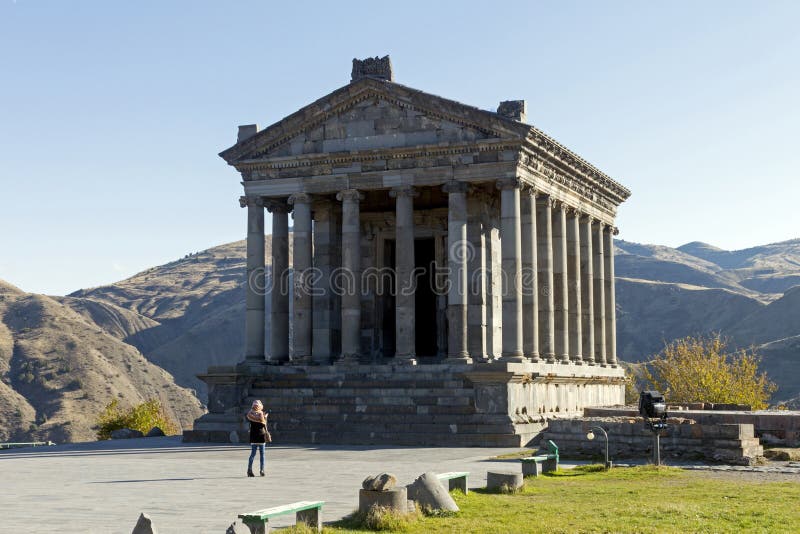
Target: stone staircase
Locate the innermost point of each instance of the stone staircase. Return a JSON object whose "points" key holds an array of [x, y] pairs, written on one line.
{"points": [[435, 408]]}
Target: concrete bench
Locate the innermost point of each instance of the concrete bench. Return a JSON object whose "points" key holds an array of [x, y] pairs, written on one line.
{"points": [[308, 512], [455, 480], [541, 463]]}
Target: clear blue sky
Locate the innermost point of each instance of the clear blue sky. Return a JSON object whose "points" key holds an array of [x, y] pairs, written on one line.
{"points": [[112, 113]]}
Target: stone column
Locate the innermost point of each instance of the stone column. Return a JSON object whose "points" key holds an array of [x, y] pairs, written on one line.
{"points": [[279, 316], [254, 319], [587, 291], [405, 338], [599, 295], [574, 286], [494, 297], [322, 336], [350, 275], [530, 293], [560, 282], [457, 253], [544, 236], [511, 247], [478, 280], [303, 278], [610, 304]]}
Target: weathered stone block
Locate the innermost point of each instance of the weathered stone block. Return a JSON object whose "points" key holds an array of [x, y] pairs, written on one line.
{"points": [[503, 480]]}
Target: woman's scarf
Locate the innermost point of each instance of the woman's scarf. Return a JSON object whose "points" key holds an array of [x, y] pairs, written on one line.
{"points": [[256, 416]]}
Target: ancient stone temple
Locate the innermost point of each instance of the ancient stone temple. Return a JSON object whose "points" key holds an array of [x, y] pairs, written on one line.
{"points": [[448, 278]]}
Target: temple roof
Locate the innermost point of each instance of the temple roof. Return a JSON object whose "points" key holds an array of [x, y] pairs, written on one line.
{"points": [[260, 144]]}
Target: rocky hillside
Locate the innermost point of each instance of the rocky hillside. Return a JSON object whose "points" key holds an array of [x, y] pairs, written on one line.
{"points": [[750, 296], [195, 309], [59, 369]]}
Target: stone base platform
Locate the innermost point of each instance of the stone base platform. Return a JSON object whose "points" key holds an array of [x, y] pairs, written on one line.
{"points": [[483, 404]]}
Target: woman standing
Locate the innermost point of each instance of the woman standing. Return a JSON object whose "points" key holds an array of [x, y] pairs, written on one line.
{"points": [[258, 435]]}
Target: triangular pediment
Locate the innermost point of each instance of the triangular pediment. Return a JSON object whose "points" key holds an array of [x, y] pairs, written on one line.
{"points": [[373, 115]]}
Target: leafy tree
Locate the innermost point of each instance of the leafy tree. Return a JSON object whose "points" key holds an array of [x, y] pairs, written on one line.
{"points": [[141, 417], [698, 369]]}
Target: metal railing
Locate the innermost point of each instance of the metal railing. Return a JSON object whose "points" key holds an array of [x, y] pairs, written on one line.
{"points": [[30, 444]]}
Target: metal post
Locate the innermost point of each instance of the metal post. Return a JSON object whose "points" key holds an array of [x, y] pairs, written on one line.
{"points": [[656, 448]]}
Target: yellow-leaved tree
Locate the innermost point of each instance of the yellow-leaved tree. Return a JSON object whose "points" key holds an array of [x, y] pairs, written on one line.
{"points": [[698, 369]]}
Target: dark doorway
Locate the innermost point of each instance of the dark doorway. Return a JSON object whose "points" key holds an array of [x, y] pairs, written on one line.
{"points": [[425, 298]]}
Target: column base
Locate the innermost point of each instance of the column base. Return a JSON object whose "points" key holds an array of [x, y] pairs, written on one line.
{"points": [[533, 357]]}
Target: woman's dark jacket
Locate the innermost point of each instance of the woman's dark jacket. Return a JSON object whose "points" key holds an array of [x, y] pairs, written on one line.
{"points": [[258, 432]]}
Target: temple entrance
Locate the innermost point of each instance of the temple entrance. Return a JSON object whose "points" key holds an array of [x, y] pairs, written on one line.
{"points": [[425, 302], [425, 298]]}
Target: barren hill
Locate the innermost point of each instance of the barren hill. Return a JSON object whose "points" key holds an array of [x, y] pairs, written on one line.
{"points": [[58, 371], [750, 296], [195, 309]]}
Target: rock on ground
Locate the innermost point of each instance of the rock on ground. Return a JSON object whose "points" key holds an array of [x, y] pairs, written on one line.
{"points": [[144, 525], [429, 493]]}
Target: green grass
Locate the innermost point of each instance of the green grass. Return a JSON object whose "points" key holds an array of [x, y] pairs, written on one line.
{"points": [[639, 499]]}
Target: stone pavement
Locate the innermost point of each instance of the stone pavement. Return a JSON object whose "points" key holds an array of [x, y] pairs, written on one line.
{"points": [[102, 487]]}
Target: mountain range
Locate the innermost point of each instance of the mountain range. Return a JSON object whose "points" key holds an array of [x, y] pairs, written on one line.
{"points": [[62, 359]]}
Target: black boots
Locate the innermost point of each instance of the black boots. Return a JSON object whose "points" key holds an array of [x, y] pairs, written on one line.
{"points": [[250, 473], [262, 472]]}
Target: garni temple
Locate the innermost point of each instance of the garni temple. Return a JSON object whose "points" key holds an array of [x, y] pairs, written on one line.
{"points": [[448, 277]]}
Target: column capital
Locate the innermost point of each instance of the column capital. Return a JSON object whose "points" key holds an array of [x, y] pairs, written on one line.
{"points": [[454, 186], [350, 194], [509, 183], [545, 200], [251, 202], [299, 198], [561, 205], [275, 205], [613, 230], [403, 191]]}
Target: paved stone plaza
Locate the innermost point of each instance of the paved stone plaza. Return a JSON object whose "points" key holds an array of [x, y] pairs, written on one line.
{"points": [[199, 488]]}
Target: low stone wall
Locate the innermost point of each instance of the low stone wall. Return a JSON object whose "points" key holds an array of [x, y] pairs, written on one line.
{"points": [[628, 437], [772, 427], [488, 405]]}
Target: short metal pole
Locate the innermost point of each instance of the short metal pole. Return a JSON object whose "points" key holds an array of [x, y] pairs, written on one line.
{"points": [[656, 449]]}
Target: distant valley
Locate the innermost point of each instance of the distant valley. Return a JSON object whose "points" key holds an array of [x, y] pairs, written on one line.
{"points": [[63, 358]]}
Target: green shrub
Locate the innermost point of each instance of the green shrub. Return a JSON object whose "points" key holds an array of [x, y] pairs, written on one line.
{"points": [[141, 417], [702, 370]]}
